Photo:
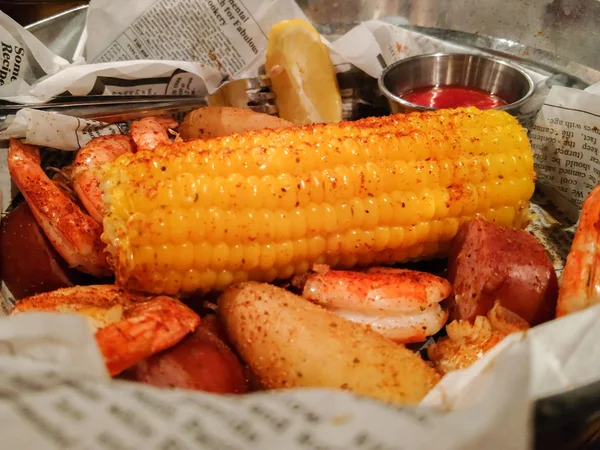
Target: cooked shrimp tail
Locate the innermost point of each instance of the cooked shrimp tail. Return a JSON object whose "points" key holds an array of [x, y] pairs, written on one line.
{"points": [[403, 305], [74, 235], [129, 327], [152, 326], [580, 284], [150, 132], [88, 161]]}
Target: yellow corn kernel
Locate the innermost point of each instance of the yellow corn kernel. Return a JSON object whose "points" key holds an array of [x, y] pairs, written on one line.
{"points": [[268, 204]]}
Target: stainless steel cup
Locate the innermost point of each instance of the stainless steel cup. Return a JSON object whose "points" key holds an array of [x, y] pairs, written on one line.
{"points": [[492, 75]]}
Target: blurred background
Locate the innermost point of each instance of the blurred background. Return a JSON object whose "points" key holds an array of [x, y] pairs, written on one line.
{"points": [[567, 28], [29, 11]]}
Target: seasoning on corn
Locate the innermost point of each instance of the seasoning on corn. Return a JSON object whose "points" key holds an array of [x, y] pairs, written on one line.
{"points": [[269, 204]]}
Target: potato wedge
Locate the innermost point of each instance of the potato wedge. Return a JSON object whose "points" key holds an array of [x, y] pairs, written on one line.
{"points": [[289, 342], [215, 121]]}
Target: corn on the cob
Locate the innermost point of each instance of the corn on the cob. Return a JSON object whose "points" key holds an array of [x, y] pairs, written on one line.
{"points": [[268, 204]]}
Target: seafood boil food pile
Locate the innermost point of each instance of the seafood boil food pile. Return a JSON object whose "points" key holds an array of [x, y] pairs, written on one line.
{"points": [[268, 259], [238, 251]]}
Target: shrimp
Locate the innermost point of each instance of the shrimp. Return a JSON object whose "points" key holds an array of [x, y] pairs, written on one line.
{"points": [[88, 160], [467, 342], [128, 327], [580, 285], [146, 134], [74, 234], [403, 305], [150, 132]]}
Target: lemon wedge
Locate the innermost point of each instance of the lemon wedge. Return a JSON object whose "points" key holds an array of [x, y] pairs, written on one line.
{"points": [[302, 74]]}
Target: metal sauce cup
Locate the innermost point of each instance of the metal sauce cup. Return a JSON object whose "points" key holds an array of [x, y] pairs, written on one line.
{"points": [[483, 73]]}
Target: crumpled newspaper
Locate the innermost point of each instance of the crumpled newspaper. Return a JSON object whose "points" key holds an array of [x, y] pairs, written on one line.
{"points": [[25, 60], [56, 394]]}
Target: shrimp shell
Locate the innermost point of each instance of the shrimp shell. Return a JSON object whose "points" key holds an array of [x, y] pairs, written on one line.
{"points": [[129, 327], [401, 304], [580, 284]]}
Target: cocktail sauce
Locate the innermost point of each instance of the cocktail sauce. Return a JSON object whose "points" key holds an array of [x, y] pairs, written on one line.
{"points": [[452, 97]]}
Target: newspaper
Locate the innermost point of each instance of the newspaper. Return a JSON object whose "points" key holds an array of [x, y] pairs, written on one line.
{"points": [[167, 47], [48, 402], [37, 127], [24, 60], [230, 35], [131, 78], [56, 393], [565, 139], [146, 31]]}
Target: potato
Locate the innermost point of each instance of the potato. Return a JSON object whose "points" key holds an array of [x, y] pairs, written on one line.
{"points": [[289, 342], [201, 361], [29, 263], [489, 263], [215, 121]]}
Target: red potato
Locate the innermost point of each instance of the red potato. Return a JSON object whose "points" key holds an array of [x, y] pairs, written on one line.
{"points": [[29, 263], [201, 361], [488, 262]]}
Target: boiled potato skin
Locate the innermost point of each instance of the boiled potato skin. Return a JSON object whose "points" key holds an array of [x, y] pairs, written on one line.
{"points": [[215, 121], [289, 342]]}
